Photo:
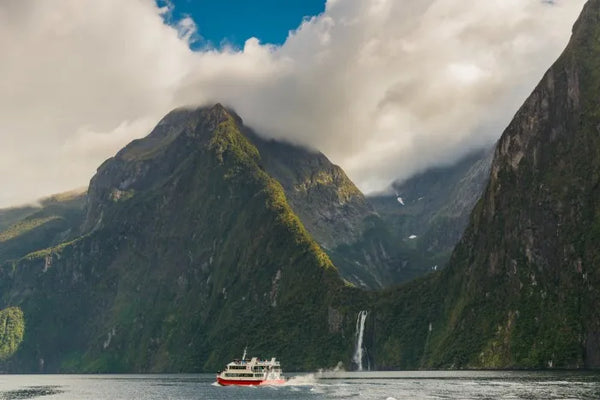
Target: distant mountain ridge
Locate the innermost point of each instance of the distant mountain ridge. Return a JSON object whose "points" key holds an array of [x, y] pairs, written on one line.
{"points": [[54, 220], [428, 212]]}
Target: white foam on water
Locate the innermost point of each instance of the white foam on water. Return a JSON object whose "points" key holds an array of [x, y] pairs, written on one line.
{"points": [[301, 380], [360, 329]]}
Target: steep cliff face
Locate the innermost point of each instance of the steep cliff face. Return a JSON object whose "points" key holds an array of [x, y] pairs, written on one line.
{"points": [[521, 288], [528, 264], [189, 253]]}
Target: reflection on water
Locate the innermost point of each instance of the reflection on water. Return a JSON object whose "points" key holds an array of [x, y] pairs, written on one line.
{"points": [[426, 385], [30, 392]]}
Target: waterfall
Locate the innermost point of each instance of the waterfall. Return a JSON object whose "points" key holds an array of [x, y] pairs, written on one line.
{"points": [[360, 330]]}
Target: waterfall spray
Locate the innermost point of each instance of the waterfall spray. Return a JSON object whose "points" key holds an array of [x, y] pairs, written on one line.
{"points": [[360, 330]]}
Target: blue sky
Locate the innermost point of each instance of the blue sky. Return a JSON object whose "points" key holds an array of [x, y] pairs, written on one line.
{"points": [[234, 21]]}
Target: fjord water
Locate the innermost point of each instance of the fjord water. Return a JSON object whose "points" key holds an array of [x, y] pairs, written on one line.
{"points": [[364, 385]]}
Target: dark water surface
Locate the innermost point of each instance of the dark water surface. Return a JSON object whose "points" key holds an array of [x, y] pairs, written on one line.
{"points": [[367, 385]]}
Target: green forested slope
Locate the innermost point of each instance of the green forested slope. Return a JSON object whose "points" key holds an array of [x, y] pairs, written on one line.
{"points": [[522, 287], [54, 220], [190, 253], [12, 328]]}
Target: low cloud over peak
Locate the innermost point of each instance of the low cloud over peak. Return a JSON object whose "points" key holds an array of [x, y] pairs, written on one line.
{"points": [[384, 87]]}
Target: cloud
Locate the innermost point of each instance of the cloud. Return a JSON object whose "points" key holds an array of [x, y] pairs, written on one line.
{"points": [[73, 66], [383, 87], [386, 88]]}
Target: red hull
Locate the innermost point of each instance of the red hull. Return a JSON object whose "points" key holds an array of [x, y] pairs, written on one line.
{"points": [[253, 382]]}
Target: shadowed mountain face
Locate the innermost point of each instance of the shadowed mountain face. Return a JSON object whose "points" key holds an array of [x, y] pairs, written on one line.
{"points": [[328, 203], [521, 288], [529, 260], [189, 252], [26, 229], [336, 214], [428, 213]]}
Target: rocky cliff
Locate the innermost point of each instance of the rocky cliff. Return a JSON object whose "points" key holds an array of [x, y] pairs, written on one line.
{"points": [[528, 262], [521, 288]]}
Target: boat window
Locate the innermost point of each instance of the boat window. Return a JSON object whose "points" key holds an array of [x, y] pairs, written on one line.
{"points": [[238, 375]]}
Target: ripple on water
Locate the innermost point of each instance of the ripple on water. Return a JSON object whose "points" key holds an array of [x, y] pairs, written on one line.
{"points": [[30, 392]]}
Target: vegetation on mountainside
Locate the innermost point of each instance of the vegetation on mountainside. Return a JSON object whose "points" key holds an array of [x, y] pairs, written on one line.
{"points": [[55, 220], [24, 226], [522, 278], [12, 329], [206, 258], [70, 199], [52, 250], [334, 212], [11, 216], [520, 290], [228, 139]]}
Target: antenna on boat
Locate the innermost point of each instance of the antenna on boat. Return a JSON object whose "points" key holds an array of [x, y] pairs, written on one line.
{"points": [[244, 356]]}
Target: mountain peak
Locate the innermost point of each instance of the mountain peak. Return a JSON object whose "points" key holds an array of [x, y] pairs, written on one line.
{"points": [[219, 108], [220, 111], [217, 111], [186, 226]]}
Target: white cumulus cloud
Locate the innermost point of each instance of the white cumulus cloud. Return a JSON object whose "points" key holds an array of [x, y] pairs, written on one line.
{"points": [[383, 87]]}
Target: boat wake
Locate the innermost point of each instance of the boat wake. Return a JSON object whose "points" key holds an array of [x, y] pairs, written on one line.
{"points": [[301, 380]]}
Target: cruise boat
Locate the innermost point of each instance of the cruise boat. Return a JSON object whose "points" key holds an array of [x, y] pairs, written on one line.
{"points": [[251, 372]]}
